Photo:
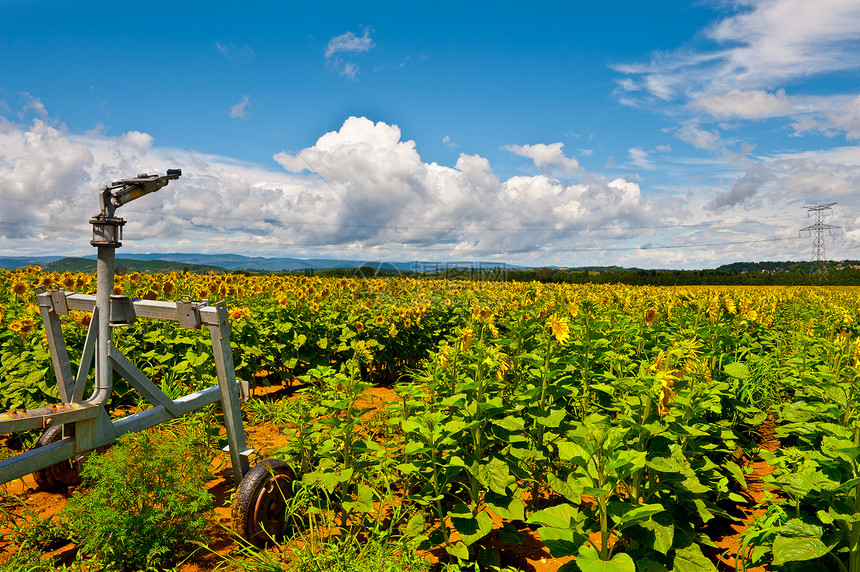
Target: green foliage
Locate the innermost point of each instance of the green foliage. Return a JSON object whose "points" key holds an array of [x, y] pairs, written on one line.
{"points": [[815, 518], [615, 419], [143, 502], [377, 551], [280, 412], [32, 534]]}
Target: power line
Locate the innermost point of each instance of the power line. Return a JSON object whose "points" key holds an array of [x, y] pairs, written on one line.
{"points": [[401, 247], [398, 227]]}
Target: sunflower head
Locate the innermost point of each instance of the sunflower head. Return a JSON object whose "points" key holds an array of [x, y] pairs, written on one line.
{"points": [[466, 339], [650, 316], [559, 329]]}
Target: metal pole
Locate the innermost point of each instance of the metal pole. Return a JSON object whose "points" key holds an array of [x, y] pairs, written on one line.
{"points": [[104, 289]]}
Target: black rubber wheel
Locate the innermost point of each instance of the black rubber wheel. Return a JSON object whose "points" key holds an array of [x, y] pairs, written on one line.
{"points": [[62, 475], [260, 506]]}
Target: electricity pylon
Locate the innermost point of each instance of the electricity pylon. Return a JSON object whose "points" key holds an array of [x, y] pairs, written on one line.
{"points": [[818, 256]]}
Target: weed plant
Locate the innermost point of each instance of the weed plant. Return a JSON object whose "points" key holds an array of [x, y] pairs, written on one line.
{"points": [[32, 534], [281, 412], [314, 543], [142, 503]]}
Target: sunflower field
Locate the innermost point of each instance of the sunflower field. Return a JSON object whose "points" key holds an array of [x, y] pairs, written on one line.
{"points": [[618, 422]]}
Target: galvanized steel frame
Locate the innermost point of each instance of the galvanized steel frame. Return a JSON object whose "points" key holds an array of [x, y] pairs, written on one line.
{"points": [[93, 426]]}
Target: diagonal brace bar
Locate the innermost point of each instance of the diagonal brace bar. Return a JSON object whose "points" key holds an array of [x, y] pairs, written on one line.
{"points": [[140, 382]]}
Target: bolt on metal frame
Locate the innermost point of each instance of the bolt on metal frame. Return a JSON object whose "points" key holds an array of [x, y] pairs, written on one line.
{"points": [[92, 426]]}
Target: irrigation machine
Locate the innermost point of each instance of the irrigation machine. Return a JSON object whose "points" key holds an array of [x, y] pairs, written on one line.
{"points": [[76, 427]]}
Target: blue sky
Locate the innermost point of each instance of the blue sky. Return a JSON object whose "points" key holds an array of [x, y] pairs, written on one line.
{"points": [[652, 134]]}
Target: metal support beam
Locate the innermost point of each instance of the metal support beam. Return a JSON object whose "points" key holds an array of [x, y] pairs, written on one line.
{"points": [[56, 345], [220, 334], [87, 357], [140, 382]]}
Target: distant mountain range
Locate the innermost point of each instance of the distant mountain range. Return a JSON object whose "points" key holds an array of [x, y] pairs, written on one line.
{"points": [[166, 262], [205, 262]]}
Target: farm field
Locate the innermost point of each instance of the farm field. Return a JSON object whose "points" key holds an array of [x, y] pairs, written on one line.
{"points": [[510, 426]]}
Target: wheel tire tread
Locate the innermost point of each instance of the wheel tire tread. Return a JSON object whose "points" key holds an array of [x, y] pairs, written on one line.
{"points": [[247, 493], [45, 478]]}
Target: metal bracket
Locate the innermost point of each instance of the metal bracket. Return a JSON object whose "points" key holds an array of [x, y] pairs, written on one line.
{"points": [[189, 313], [121, 311], [55, 301], [58, 299], [244, 390]]}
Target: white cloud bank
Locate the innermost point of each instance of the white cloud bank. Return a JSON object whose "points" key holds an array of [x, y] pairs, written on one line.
{"points": [[364, 191]]}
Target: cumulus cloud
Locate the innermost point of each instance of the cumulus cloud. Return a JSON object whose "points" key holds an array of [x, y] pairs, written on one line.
{"points": [[41, 172], [137, 139], [546, 156], [240, 110], [363, 190], [381, 178]]}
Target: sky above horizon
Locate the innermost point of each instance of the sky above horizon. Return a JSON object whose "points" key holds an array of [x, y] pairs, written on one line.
{"points": [[663, 134]]}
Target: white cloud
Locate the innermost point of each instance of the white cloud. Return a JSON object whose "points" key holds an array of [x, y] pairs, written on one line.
{"points": [[98, 129], [384, 183], [449, 143], [746, 104], [639, 158], [41, 172], [363, 190], [690, 133], [764, 43], [350, 70], [349, 42], [738, 70], [138, 139], [845, 156], [832, 116], [31, 103], [780, 39], [240, 110], [233, 52], [546, 156]]}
